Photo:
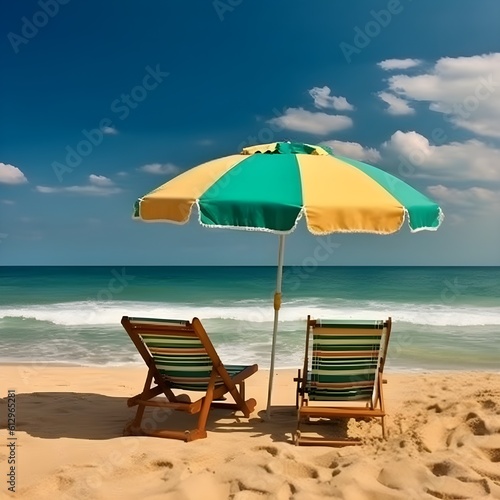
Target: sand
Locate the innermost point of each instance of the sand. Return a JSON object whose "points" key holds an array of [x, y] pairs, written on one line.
{"points": [[444, 442]]}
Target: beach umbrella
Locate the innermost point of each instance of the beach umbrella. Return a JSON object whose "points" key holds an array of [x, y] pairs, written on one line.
{"points": [[270, 187]]}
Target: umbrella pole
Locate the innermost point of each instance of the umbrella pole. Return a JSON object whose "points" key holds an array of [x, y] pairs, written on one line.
{"points": [[277, 305]]}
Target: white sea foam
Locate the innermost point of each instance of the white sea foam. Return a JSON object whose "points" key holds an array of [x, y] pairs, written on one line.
{"points": [[88, 313]]}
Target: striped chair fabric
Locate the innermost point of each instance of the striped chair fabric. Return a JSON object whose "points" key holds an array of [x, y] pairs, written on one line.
{"points": [[178, 353], [345, 360]]}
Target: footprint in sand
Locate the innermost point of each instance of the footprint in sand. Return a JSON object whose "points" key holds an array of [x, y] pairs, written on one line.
{"points": [[273, 451], [456, 481], [476, 424], [493, 454], [335, 468], [292, 468], [241, 491], [172, 473], [330, 461], [441, 469], [64, 482], [162, 464], [435, 407], [488, 404]]}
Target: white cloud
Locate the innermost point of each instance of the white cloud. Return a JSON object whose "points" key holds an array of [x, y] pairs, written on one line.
{"points": [[98, 186], [160, 169], [7, 202], [473, 197], [464, 89], [468, 160], [11, 175], [408, 144], [301, 120], [109, 131], [354, 150], [85, 190], [323, 99], [391, 64], [397, 106], [122, 174], [47, 189], [469, 203], [100, 180]]}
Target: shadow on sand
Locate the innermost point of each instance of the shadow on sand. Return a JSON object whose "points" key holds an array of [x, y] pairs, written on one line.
{"points": [[53, 415]]}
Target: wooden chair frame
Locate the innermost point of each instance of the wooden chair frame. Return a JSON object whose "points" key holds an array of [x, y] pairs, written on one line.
{"points": [[212, 397], [373, 409]]}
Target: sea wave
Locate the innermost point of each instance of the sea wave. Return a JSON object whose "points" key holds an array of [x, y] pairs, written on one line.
{"points": [[109, 313]]}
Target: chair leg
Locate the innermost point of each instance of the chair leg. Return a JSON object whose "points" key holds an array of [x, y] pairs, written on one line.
{"points": [[250, 404], [296, 437], [205, 407], [303, 402], [134, 427], [297, 391], [244, 406], [239, 400]]}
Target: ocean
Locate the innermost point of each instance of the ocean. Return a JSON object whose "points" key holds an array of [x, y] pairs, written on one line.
{"points": [[443, 317]]}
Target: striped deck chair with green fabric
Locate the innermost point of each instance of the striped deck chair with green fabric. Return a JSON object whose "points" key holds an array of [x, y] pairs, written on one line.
{"points": [[347, 364], [180, 356]]}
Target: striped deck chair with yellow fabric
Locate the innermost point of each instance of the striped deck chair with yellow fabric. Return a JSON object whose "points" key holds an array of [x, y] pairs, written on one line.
{"points": [[180, 356], [345, 373]]}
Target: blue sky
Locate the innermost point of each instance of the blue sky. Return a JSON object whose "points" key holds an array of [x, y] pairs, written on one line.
{"points": [[103, 101]]}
